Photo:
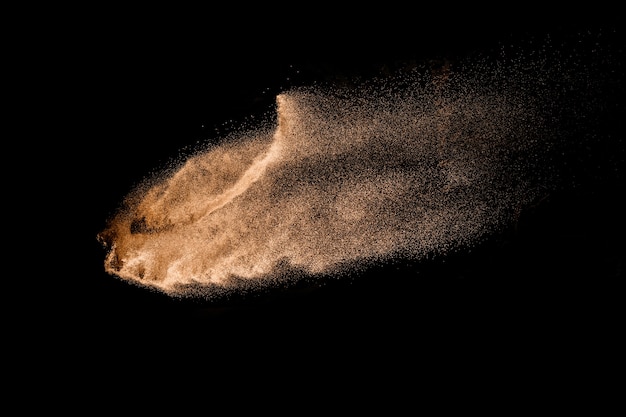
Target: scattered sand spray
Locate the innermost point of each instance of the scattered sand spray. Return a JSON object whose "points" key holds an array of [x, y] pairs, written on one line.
{"points": [[406, 166]]}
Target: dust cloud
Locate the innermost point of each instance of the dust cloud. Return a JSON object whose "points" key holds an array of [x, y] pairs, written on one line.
{"points": [[400, 167]]}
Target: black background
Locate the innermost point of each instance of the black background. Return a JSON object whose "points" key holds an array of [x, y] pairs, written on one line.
{"points": [[145, 86]]}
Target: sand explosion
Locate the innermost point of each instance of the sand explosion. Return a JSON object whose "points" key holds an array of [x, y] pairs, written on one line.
{"points": [[402, 167]]}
